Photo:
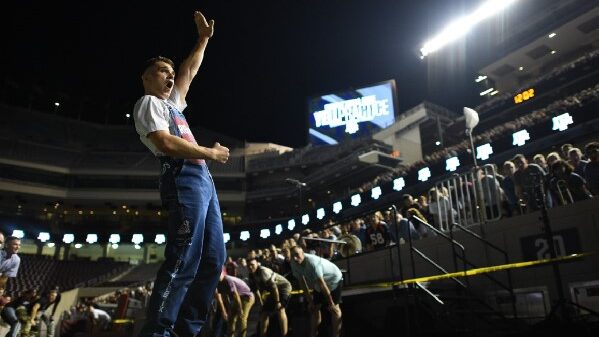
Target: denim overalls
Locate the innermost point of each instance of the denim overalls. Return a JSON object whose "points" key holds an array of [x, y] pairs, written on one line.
{"points": [[195, 251]]}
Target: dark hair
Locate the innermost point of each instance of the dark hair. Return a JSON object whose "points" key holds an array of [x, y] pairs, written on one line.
{"points": [[154, 60], [590, 146], [562, 163], [565, 146], [519, 156], [11, 239]]}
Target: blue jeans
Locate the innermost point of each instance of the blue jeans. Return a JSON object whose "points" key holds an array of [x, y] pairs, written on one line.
{"points": [[195, 251], [9, 315]]}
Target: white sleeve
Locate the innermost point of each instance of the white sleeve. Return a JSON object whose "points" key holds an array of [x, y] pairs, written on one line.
{"points": [[149, 115], [174, 99]]}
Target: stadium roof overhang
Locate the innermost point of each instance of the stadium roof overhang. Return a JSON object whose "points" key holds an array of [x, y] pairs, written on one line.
{"points": [[530, 61]]}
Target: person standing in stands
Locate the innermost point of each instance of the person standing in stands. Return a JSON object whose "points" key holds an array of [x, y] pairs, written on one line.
{"points": [[565, 149], [378, 233], [591, 170], [509, 188], [575, 156], [325, 278], [528, 177], [575, 184], [195, 251]]}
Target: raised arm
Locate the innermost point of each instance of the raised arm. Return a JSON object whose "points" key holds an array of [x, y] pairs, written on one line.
{"points": [[189, 67]]}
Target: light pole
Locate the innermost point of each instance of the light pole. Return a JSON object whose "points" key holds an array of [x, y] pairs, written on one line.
{"points": [[471, 119], [299, 186]]}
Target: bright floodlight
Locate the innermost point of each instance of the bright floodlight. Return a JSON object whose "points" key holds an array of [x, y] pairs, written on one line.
{"points": [[43, 236], [114, 238], [305, 219], [424, 174], [244, 235], [264, 233], [137, 246], [356, 200], [137, 239], [291, 224], [78, 245], [68, 238], [18, 233], [452, 164], [160, 239], [462, 26], [226, 237], [399, 184], [320, 213], [484, 151], [51, 244], [278, 229], [520, 137], [376, 192], [91, 238], [337, 207], [115, 245], [562, 121]]}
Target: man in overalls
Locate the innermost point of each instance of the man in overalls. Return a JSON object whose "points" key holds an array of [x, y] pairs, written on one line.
{"points": [[195, 251]]}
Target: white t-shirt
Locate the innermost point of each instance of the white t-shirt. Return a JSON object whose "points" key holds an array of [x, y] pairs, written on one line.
{"points": [[9, 266], [100, 314], [151, 113]]}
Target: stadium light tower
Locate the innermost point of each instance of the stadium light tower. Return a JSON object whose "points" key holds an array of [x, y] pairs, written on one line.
{"points": [[462, 26]]}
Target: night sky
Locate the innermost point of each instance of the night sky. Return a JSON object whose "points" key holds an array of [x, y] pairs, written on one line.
{"points": [[265, 59]]}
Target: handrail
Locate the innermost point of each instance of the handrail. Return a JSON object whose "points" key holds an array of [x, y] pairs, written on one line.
{"points": [[426, 258], [453, 242], [509, 287]]}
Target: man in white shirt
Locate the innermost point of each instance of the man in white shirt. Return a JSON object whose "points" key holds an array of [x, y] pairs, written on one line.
{"points": [[195, 251], [9, 260], [100, 317]]}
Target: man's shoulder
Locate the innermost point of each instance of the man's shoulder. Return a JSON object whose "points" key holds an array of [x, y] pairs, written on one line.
{"points": [[149, 101], [311, 259]]}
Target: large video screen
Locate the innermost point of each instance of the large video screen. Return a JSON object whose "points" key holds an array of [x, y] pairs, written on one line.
{"points": [[350, 114]]}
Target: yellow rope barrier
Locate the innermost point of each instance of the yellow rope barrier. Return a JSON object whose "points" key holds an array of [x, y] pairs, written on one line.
{"points": [[467, 273]]}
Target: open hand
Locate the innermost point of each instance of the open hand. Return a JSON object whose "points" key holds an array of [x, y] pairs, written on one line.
{"points": [[205, 29]]}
